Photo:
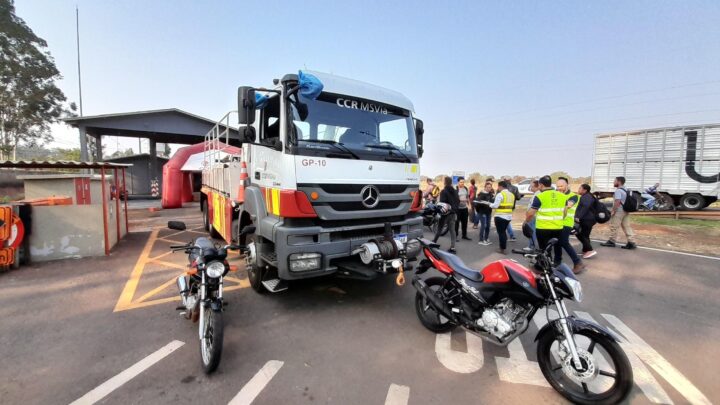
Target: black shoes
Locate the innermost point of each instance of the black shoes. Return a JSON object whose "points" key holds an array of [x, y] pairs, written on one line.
{"points": [[630, 246], [452, 250], [608, 244], [466, 238]]}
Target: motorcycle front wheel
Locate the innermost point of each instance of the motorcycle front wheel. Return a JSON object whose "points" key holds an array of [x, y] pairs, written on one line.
{"points": [[212, 341], [434, 228], [605, 375]]}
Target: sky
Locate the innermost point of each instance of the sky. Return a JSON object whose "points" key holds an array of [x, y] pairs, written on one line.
{"points": [[504, 87]]}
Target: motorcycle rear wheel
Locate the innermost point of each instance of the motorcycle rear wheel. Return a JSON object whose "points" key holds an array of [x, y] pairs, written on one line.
{"points": [[617, 378], [434, 227], [212, 341], [427, 316]]}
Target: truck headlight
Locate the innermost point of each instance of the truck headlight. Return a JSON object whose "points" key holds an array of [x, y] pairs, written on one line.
{"points": [[215, 269], [576, 288], [305, 261]]}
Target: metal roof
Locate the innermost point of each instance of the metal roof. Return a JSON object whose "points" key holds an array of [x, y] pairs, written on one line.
{"points": [[74, 120], [62, 164]]}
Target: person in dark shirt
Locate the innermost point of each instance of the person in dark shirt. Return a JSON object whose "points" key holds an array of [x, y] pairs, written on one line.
{"points": [[450, 197], [484, 212], [585, 217]]}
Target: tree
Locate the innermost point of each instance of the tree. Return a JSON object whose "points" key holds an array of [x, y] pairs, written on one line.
{"points": [[555, 176], [29, 99]]}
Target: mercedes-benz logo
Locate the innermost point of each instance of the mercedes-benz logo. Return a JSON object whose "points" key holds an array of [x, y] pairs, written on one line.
{"points": [[370, 196]]}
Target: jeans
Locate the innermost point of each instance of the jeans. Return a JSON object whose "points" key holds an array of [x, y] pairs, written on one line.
{"points": [[565, 244], [475, 218], [510, 231], [462, 221], [484, 218], [649, 200], [544, 236], [584, 235], [501, 225], [450, 220], [533, 242]]}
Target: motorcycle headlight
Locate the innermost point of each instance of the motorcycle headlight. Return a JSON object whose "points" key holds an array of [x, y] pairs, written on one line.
{"points": [[215, 269], [576, 288]]}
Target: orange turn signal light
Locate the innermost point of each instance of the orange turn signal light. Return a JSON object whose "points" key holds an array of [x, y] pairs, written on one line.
{"points": [[314, 195]]}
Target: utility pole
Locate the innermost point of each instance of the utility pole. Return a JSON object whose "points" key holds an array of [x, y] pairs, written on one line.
{"points": [[81, 128]]}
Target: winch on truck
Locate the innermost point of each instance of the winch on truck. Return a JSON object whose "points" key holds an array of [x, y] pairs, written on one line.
{"points": [[328, 175]]}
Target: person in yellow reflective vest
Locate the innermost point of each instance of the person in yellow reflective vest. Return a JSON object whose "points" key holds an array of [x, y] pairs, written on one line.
{"points": [[568, 224], [504, 205], [548, 209]]}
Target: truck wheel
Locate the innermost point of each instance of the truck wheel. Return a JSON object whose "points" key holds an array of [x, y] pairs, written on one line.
{"points": [[206, 219], [692, 202], [255, 270]]}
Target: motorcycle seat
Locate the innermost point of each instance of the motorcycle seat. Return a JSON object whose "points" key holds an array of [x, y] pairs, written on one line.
{"points": [[459, 266]]}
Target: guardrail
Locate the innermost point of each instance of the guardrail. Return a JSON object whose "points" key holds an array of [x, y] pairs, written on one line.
{"points": [[710, 214]]}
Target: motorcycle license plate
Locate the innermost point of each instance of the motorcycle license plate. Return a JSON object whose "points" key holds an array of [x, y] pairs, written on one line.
{"points": [[401, 237]]}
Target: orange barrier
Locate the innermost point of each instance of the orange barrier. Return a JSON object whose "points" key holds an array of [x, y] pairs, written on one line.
{"points": [[56, 200]]}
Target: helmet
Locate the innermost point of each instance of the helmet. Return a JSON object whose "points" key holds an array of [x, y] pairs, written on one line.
{"points": [[444, 207], [527, 230]]}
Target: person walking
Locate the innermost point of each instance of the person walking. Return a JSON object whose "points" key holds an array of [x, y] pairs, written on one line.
{"points": [[547, 208], [516, 193], [448, 196], [504, 205], [585, 218], [482, 208], [568, 225], [532, 242], [473, 214], [462, 211], [619, 218]]}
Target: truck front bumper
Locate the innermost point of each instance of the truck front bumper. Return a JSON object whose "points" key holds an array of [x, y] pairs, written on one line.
{"points": [[336, 246]]}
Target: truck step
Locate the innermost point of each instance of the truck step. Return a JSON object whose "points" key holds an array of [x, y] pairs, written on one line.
{"points": [[275, 285]]}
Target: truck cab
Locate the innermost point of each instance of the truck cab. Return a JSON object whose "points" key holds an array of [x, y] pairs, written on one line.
{"points": [[332, 180]]}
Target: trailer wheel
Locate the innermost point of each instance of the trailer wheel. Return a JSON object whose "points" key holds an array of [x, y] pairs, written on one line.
{"points": [[206, 219], [692, 202]]}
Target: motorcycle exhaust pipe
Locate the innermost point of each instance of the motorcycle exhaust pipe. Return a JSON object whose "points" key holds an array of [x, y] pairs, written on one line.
{"points": [[437, 304]]}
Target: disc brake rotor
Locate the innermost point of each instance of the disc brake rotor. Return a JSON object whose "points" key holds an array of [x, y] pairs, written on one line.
{"points": [[588, 370]]}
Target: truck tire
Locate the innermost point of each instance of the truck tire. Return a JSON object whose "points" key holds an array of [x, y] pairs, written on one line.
{"points": [[255, 270], [692, 202], [205, 214]]}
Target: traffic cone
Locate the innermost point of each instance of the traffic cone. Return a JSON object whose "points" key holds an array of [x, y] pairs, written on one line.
{"points": [[243, 182]]}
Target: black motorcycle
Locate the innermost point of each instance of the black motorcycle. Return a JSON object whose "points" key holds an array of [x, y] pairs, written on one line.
{"points": [[498, 302], [201, 291], [432, 216]]}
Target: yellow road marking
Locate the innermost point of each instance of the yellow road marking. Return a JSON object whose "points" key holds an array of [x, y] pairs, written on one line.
{"points": [[126, 302], [131, 285], [172, 241]]}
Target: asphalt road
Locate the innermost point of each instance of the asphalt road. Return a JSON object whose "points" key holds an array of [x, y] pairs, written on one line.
{"points": [[71, 326]]}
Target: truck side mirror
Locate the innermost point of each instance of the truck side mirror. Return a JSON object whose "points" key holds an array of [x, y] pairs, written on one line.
{"points": [[246, 105], [419, 131]]}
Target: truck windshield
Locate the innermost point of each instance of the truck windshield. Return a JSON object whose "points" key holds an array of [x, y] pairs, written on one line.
{"points": [[371, 130]]}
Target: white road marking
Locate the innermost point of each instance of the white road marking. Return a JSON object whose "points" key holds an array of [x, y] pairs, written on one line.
{"points": [[456, 361], [518, 369], [642, 377], [651, 357], [250, 391], [671, 251], [104, 389], [397, 395]]}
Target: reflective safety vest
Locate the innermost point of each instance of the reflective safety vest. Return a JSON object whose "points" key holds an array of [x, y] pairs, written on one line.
{"points": [[569, 220], [552, 206], [507, 204]]}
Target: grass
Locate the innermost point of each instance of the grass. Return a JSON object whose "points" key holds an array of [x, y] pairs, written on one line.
{"points": [[694, 223]]}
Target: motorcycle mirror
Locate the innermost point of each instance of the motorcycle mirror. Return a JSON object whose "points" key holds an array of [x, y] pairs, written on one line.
{"points": [[176, 225]]}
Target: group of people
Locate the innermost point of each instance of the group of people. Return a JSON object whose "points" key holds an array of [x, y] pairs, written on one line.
{"points": [[554, 212]]}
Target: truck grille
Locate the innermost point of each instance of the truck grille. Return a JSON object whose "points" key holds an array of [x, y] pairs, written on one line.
{"points": [[356, 188], [358, 206]]}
